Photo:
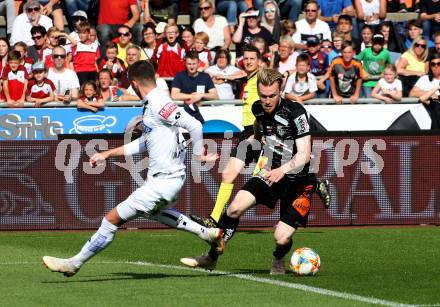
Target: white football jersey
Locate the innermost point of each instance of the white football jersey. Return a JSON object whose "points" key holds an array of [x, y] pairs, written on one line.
{"points": [[162, 139]]}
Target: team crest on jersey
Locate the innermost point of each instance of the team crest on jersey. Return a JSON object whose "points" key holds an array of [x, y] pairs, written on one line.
{"points": [[301, 124], [166, 111], [282, 130]]}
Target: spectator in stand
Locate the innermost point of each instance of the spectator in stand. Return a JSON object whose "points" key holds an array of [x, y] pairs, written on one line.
{"points": [[286, 55], [388, 88], [412, 64], [113, 14], [338, 39], [106, 87], [289, 9], [15, 80], [160, 11], [287, 27], [367, 37], [133, 55], [57, 38], [301, 85], [4, 50], [346, 74], [215, 26], [169, 55], [188, 38], [223, 74], [193, 87], [310, 25], [21, 29], [393, 41], [345, 26], [125, 40], [78, 18], [370, 12], [85, 55], [26, 61], [111, 61], [330, 10], [248, 29], [271, 19], [427, 89], [318, 65], [7, 9], [149, 42], [205, 56], [415, 29], [73, 6], [230, 9], [326, 47], [89, 99], [65, 80], [40, 89], [374, 60], [39, 36], [430, 14], [436, 48]]}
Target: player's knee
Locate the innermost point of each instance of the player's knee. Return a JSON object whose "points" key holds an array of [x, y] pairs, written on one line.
{"points": [[229, 175], [234, 211]]}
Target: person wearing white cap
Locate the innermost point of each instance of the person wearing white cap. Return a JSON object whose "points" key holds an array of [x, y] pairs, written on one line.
{"points": [[78, 17], [32, 16]]}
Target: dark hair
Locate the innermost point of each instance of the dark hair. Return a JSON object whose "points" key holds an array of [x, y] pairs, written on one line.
{"points": [[346, 44], [415, 23], [105, 71], [38, 29], [252, 48], [149, 25], [303, 57], [367, 27], [142, 72], [312, 2], [88, 82], [345, 17], [14, 55], [224, 52], [192, 54], [190, 30], [124, 26], [435, 56], [111, 45]]}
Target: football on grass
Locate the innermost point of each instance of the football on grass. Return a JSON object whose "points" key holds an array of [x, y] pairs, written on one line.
{"points": [[305, 261]]}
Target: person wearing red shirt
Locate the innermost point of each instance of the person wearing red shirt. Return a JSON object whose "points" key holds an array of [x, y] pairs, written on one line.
{"points": [[14, 80], [40, 89], [112, 14]]}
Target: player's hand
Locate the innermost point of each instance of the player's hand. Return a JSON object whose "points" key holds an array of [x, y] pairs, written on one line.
{"points": [[275, 175], [97, 159]]}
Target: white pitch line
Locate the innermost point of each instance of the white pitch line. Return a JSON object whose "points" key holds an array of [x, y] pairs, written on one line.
{"points": [[273, 282]]}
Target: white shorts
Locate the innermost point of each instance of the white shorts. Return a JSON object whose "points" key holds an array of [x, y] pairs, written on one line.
{"points": [[156, 194]]}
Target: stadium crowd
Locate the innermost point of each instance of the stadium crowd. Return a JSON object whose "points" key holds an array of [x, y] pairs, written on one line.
{"points": [[340, 49]]}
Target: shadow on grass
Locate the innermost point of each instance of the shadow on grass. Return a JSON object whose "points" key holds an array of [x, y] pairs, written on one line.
{"points": [[125, 276], [256, 231]]}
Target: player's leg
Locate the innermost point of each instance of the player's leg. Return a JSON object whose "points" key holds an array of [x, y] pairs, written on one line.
{"points": [[283, 243], [98, 242]]}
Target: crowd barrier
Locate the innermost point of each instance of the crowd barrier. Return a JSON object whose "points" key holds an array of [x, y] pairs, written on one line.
{"points": [[375, 179]]}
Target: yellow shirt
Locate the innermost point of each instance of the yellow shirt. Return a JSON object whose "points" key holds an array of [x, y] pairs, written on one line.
{"points": [[413, 63], [122, 54], [250, 95]]}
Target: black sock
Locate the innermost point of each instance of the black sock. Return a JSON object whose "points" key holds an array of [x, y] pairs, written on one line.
{"points": [[282, 250], [213, 254], [229, 225]]}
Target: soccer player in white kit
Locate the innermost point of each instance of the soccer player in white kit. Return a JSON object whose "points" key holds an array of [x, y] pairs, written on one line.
{"points": [[166, 175]]}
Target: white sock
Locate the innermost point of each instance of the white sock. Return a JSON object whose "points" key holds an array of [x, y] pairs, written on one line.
{"points": [[175, 219], [99, 241]]}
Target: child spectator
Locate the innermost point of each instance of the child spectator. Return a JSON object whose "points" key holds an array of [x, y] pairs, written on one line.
{"points": [[288, 27], [318, 64], [367, 36], [346, 74], [56, 38], [389, 88], [374, 60], [169, 55], [40, 89], [338, 38], [111, 61], [201, 40], [14, 80], [301, 85], [85, 54], [326, 46], [78, 17], [26, 61], [89, 99]]}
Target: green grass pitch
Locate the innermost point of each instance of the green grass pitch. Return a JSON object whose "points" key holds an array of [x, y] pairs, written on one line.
{"points": [[359, 267]]}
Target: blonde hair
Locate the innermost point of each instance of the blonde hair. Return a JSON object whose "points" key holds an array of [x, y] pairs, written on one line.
{"points": [[204, 37], [267, 77], [287, 39], [414, 42], [211, 3]]}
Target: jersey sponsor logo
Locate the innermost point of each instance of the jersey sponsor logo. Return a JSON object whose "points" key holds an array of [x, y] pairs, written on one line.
{"points": [[281, 120], [177, 115], [166, 111], [301, 124], [146, 128]]}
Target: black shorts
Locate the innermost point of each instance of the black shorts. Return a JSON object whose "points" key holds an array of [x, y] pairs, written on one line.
{"points": [[244, 152], [294, 196]]}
